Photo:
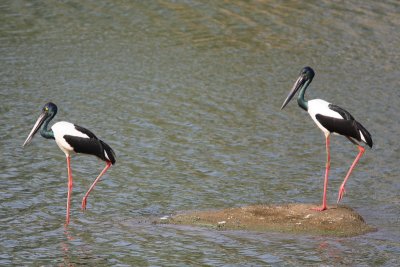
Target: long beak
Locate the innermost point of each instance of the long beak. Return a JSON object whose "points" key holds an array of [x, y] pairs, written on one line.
{"points": [[35, 128], [297, 85]]}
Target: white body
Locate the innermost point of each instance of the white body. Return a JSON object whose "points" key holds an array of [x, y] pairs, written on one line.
{"points": [[319, 106], [62, 128]]}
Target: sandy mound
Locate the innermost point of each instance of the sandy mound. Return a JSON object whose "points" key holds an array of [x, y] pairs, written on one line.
{"points": [[291, 218]]}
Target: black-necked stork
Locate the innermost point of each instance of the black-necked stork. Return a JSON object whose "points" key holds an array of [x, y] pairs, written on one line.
{"points": [[330, 119], [72, 138]]}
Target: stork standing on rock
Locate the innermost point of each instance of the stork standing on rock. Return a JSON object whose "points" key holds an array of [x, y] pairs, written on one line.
{"points": [[330, 119]]}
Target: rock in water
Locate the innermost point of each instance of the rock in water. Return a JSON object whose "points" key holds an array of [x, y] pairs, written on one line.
{"points": [[292, 218]]}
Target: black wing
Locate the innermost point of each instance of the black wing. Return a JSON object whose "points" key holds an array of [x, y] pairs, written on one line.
{"points": [[344, 113], [347, 127], [84, 145], [340, 126], [91, 145], [85, 131]]}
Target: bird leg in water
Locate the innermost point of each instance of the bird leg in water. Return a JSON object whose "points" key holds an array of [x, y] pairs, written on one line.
{"points": [[328, 165], [69, 189], [84, 200], [342, 189]]}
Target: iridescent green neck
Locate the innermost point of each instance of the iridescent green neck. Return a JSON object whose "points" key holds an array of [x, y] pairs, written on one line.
{"points": [[47, 133], [300, 99]]}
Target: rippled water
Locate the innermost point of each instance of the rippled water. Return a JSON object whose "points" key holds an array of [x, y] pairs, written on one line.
{"points": [[188, 94]]}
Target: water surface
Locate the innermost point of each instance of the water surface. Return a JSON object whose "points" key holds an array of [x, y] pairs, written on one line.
{"points": [[188, 94]]}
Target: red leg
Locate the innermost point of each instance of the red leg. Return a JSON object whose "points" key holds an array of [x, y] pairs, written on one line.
{"points": [[69, 189], [328, 165], [84, 200], [341, 189]]}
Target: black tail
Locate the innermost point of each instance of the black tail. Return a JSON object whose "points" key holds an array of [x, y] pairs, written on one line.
{"points": [[108, 152], [365, 133]]}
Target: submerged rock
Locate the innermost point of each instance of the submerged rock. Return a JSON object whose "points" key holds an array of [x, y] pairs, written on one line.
{"points": [[292, 218]]}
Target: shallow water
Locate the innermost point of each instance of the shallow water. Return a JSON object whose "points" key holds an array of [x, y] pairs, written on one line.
{"points": [[188, 94]]}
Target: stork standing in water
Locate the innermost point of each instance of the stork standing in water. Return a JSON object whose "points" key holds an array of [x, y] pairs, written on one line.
{"points": [[330, 119], [72, 138]]}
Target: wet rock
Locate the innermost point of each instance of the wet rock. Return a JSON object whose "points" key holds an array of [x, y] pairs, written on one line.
{"points": [[292, 218]]}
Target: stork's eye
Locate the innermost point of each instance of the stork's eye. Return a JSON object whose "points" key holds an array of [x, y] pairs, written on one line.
{"points": [[46, 109]]}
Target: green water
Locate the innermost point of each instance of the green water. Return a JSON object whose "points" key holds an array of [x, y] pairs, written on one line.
{"points": [[188, 94]]}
